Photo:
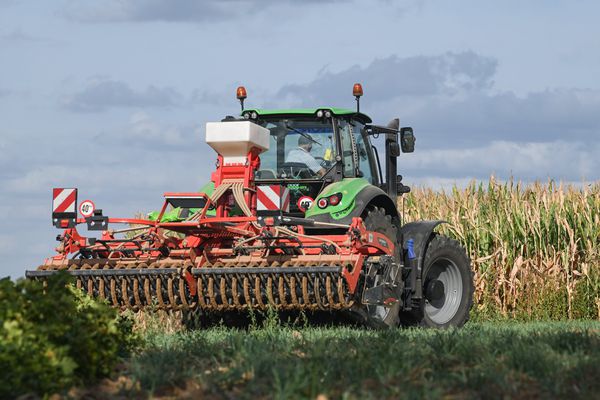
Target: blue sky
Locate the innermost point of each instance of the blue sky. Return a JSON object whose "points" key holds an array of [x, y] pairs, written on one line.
{"points": [[112, 96]]}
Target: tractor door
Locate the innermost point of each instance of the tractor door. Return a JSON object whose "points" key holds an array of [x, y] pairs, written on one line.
{"points": [[357, 152]]}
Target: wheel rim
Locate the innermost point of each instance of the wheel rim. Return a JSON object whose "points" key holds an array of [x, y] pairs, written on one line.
{"points": [[443, 289]]}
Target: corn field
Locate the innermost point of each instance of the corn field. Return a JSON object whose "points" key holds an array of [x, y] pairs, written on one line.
{"points": [[535, 248]]}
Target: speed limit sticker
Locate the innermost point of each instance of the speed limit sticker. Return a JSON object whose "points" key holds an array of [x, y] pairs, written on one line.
{"points": [[304, 203], [86, 208]]}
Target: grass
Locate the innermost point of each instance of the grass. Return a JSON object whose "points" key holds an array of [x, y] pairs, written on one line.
{"points": [[482, 360]]}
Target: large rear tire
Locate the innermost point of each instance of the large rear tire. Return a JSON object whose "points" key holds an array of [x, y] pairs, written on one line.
{"points": [[379, 316], [447, 286]]}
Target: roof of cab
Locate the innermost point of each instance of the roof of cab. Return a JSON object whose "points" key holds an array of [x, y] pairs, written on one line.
{"points": [[311, 111]]}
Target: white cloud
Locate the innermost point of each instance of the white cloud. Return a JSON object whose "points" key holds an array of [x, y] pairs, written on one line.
{"points": [[450, 74], [8, 243], [561, 160], [144, 174], [143, 127], [101, 94], [144, 132], [557, 114]]}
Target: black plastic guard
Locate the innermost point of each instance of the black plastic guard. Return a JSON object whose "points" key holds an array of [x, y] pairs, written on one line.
{"points": [[415, 236]]}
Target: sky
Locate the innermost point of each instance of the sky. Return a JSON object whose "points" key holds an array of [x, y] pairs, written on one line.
{"points": [[112, 97]]}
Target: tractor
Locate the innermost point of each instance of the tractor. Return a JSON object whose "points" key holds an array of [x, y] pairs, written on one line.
{"points": [[299, 215]]}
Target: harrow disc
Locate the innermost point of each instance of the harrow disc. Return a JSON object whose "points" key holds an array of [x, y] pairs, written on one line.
{"points": [[289, 285]]}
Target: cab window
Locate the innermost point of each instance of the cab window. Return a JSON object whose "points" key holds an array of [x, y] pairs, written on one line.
{"points": [[298, 149], [356, 163]]}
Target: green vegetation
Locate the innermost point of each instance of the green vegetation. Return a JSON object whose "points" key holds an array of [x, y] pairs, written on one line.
{"points": [[480, 360], [53, 338], [510, 360], [535, 248]]}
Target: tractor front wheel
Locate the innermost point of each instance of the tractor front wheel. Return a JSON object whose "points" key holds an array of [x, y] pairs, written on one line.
{"points": [[379, 316]]}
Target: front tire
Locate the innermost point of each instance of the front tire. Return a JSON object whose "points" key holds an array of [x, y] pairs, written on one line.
{"points": [[447, 286], [379, 316]]}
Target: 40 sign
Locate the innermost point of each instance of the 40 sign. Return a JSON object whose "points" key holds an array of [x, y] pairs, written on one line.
{"points": [[86, 208], [304, 203]]}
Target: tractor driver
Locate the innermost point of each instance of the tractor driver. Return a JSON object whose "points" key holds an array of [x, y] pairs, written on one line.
{"points": [[302, 155]]}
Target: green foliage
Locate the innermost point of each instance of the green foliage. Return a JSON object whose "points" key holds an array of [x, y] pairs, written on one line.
{"points": [[54, 337], [490, 360]]}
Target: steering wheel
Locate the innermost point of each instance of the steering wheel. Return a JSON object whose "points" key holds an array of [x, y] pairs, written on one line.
{"points": [[296, 170]]}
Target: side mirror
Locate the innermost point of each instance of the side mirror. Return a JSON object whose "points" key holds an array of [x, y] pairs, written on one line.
{"points": [[407, 140]]}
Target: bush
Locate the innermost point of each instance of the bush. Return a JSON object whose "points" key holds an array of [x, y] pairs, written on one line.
{"points": [[54, 337]]}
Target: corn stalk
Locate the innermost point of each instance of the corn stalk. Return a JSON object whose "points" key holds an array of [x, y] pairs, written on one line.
{"points": [[535, 248]]}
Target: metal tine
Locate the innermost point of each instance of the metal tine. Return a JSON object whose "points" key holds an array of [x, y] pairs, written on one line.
{"points": [[294, 288]]}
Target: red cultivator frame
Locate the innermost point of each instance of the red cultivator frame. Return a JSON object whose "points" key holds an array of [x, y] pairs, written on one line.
{"points": [[221, 262]]}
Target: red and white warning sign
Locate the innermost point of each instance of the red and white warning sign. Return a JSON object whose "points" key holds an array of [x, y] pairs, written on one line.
{"points": [[64, 200], [305, 202], [86, 208], [272, 198]]}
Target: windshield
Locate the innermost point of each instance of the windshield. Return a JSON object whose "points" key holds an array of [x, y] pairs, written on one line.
{"points": [[298, 149]]}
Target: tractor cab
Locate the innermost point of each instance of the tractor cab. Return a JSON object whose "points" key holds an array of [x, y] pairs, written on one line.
{"points": [[322, 156], [312, 148]]}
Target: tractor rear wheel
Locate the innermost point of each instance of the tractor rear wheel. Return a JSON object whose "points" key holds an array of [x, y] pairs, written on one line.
{"points": [[380, 316], [447, 286]]}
